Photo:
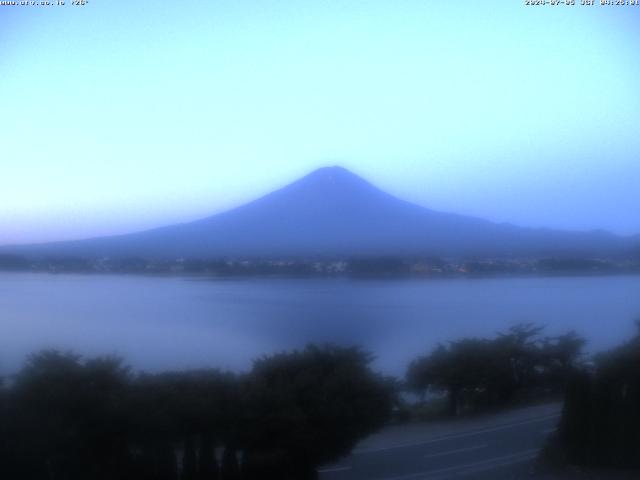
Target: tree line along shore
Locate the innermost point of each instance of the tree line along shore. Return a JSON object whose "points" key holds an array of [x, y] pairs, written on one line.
{"points": [[371, 266]]}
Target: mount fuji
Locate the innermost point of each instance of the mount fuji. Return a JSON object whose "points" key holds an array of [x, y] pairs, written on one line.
{"points": [[333, 212]]}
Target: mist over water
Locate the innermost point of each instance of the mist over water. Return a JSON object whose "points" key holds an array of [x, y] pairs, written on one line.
{"points": [[159, 323]]}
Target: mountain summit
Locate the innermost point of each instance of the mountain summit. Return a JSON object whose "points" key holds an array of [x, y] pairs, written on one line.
{"points": [[334, 212], [331, 177]]}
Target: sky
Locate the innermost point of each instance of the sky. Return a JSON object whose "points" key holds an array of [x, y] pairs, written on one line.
{"points": [[120, 116]]}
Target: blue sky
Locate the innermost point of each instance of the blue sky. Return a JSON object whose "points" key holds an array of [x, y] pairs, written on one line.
{"points": [[120, 116]]}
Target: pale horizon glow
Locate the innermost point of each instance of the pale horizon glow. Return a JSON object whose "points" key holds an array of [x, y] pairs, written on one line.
{"points": [[121, 117]]}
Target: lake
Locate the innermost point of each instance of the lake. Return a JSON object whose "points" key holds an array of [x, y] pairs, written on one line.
{"points": [[174, 323]]}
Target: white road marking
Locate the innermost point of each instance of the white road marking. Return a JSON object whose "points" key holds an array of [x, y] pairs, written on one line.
{"points": [[458, 450], [457, 435], [504, 463], [335, 469], [470, 468]]}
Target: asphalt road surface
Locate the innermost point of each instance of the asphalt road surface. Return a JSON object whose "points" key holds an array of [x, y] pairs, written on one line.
{"points": [[500, 446]]}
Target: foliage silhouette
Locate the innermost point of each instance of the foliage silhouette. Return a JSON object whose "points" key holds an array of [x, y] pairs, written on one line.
{"points": [[600, 424], [481, 373], [311, 407], [65, 418]]}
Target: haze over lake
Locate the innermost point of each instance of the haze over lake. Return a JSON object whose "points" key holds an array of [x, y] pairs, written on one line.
{"points": [[174, 323]]}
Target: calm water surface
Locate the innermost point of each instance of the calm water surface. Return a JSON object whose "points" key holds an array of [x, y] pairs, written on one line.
{"points": [[169, 322]]}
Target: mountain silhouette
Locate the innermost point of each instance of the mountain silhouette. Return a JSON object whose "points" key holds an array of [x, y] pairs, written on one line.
{"points": [[333, 212]]}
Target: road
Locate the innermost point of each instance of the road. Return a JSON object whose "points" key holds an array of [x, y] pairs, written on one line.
{"points": [[499, 446]]}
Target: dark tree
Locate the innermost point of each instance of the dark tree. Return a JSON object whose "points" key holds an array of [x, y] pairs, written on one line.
{"points": [[480, 373], [70, 417], [207, 465], [600, 423], [310, 407], [462, 369], [230, 470]]}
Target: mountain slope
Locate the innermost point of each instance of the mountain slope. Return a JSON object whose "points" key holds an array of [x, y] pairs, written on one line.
{"points": [[334, 212]]}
